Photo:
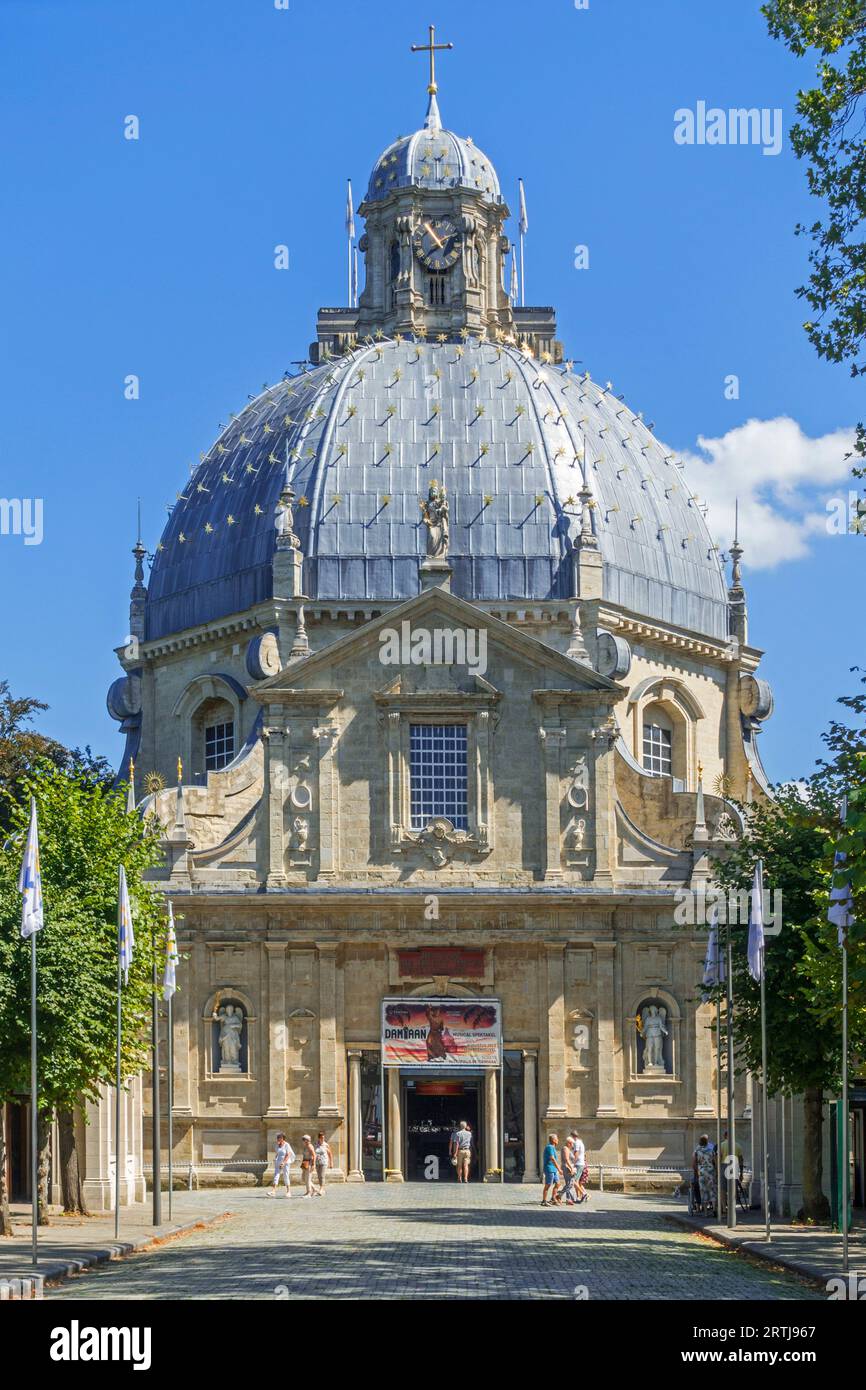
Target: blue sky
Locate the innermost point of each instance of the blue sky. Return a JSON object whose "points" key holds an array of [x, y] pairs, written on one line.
{"points": [[155, 257]]}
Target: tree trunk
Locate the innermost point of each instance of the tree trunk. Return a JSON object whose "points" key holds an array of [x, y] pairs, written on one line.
{"points": [[815, 1204], [70, 1171], [5, 1214], [43, 1166]]}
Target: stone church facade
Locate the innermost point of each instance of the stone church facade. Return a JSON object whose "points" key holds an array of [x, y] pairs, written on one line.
{"points": [[439, 640]]}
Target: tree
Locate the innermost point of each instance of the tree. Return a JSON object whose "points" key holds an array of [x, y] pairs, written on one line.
{"points": [[85, 833], [829, 136], [22, 747], [795, 834]]}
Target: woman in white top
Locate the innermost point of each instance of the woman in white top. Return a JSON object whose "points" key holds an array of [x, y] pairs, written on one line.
{"points": [[283, 1158], [324, 1161]]}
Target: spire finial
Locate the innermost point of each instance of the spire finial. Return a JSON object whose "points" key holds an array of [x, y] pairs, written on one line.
{"points": [[736, 550], [432, 48]]}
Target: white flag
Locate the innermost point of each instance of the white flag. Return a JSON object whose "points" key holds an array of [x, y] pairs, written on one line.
{"points": [[126, 934], [350, 213], [841, 909], [524, 221], [169, 979], [30, 880], [756, 927]]}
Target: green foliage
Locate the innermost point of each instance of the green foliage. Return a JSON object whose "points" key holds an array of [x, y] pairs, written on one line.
{"points": [[85, 834], [796, 835]]}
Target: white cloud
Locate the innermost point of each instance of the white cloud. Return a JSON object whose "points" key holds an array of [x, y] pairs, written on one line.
{"points": [[783, 480]]}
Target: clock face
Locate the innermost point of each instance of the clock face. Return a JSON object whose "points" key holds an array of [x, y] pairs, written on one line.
{"points": [[437, 243]]}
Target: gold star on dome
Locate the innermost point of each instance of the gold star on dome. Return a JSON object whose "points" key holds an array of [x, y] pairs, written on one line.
{"points": [[208, 529], [272, 458], [182, 538], [226, 478], [258, 510], [442, 337], [230, 521], [245, 440], [488, 498], [221, 449], [267, 429], [303, 501]]}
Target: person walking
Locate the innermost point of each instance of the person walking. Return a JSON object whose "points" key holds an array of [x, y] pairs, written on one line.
{"points": [[569, 1172], [324, 1161], [308, 1164], [704, 1172], [581, 1172], [460, 1148], [552, 1173], [284, 1157]]}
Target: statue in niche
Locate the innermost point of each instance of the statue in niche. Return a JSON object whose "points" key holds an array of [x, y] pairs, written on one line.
{"points": [[231, 1026], [652, 1028], [300, 834], [578, 791], [434, 513]]}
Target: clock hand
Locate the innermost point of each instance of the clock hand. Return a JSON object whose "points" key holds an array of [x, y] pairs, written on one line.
{"points": [[439, 243]]}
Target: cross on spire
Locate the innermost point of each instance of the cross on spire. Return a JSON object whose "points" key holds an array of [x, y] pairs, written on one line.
{"points": [[432, 48]]}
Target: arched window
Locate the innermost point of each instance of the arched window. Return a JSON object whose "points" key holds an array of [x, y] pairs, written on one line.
{"points": [[214, 736], [658, 741]]}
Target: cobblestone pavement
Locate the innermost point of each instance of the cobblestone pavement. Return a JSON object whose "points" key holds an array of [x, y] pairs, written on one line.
{"points": [[414, 1241]]}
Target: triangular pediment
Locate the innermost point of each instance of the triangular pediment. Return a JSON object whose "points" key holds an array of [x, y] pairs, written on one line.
{"points": [[437, 609]]}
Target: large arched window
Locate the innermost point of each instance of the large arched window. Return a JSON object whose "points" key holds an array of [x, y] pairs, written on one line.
{"points": [[658, 741]]}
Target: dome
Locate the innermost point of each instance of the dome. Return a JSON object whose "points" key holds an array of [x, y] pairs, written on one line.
{"points": [[434, 159], [361, 438]]}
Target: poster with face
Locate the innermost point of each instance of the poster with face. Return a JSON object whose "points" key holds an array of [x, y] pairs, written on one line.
{"points": [[441, 1032]]}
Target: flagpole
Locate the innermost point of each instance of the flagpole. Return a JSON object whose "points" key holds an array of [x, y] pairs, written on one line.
{"points": [[34, 1114], [844, 1154], [732, 1144], [718, 1097], [156, 1145], [522, 227], [170, 1100], [765, 1144], [117, 1069]]}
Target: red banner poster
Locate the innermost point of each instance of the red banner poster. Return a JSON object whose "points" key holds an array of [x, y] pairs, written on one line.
{"points": [[441, 1033]]}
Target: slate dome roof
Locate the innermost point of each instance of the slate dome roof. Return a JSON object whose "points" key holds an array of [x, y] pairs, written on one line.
{"points": [[435, 159], [361, 438]]}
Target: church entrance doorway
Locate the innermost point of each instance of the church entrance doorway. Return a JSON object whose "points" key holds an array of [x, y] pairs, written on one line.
{"points": [[434, 1106]]}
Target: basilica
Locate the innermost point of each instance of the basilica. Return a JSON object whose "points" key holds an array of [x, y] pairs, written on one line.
{"points": [[440, 691]]}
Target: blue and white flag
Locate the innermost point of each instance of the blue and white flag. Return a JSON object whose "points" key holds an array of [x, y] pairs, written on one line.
{"points": [[30, 880], [350, 213], [169, 979], [714, 964], [841, 909], [524, 220], [126, 935], [756, 927]]}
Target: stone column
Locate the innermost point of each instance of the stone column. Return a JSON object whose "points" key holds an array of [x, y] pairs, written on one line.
{"points": [[275, 741], [555, 1031], [604, 790], [326, 736], [491, 1121], [97, 1185], [604, 1030], [552, 744], [356, 1171], [530, 1118], [180, 1023], [277, 1039], [395, 1126], [328, 1105]]}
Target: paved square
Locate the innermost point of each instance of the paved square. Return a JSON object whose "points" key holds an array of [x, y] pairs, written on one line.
{"points": [[437, 1241]]}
